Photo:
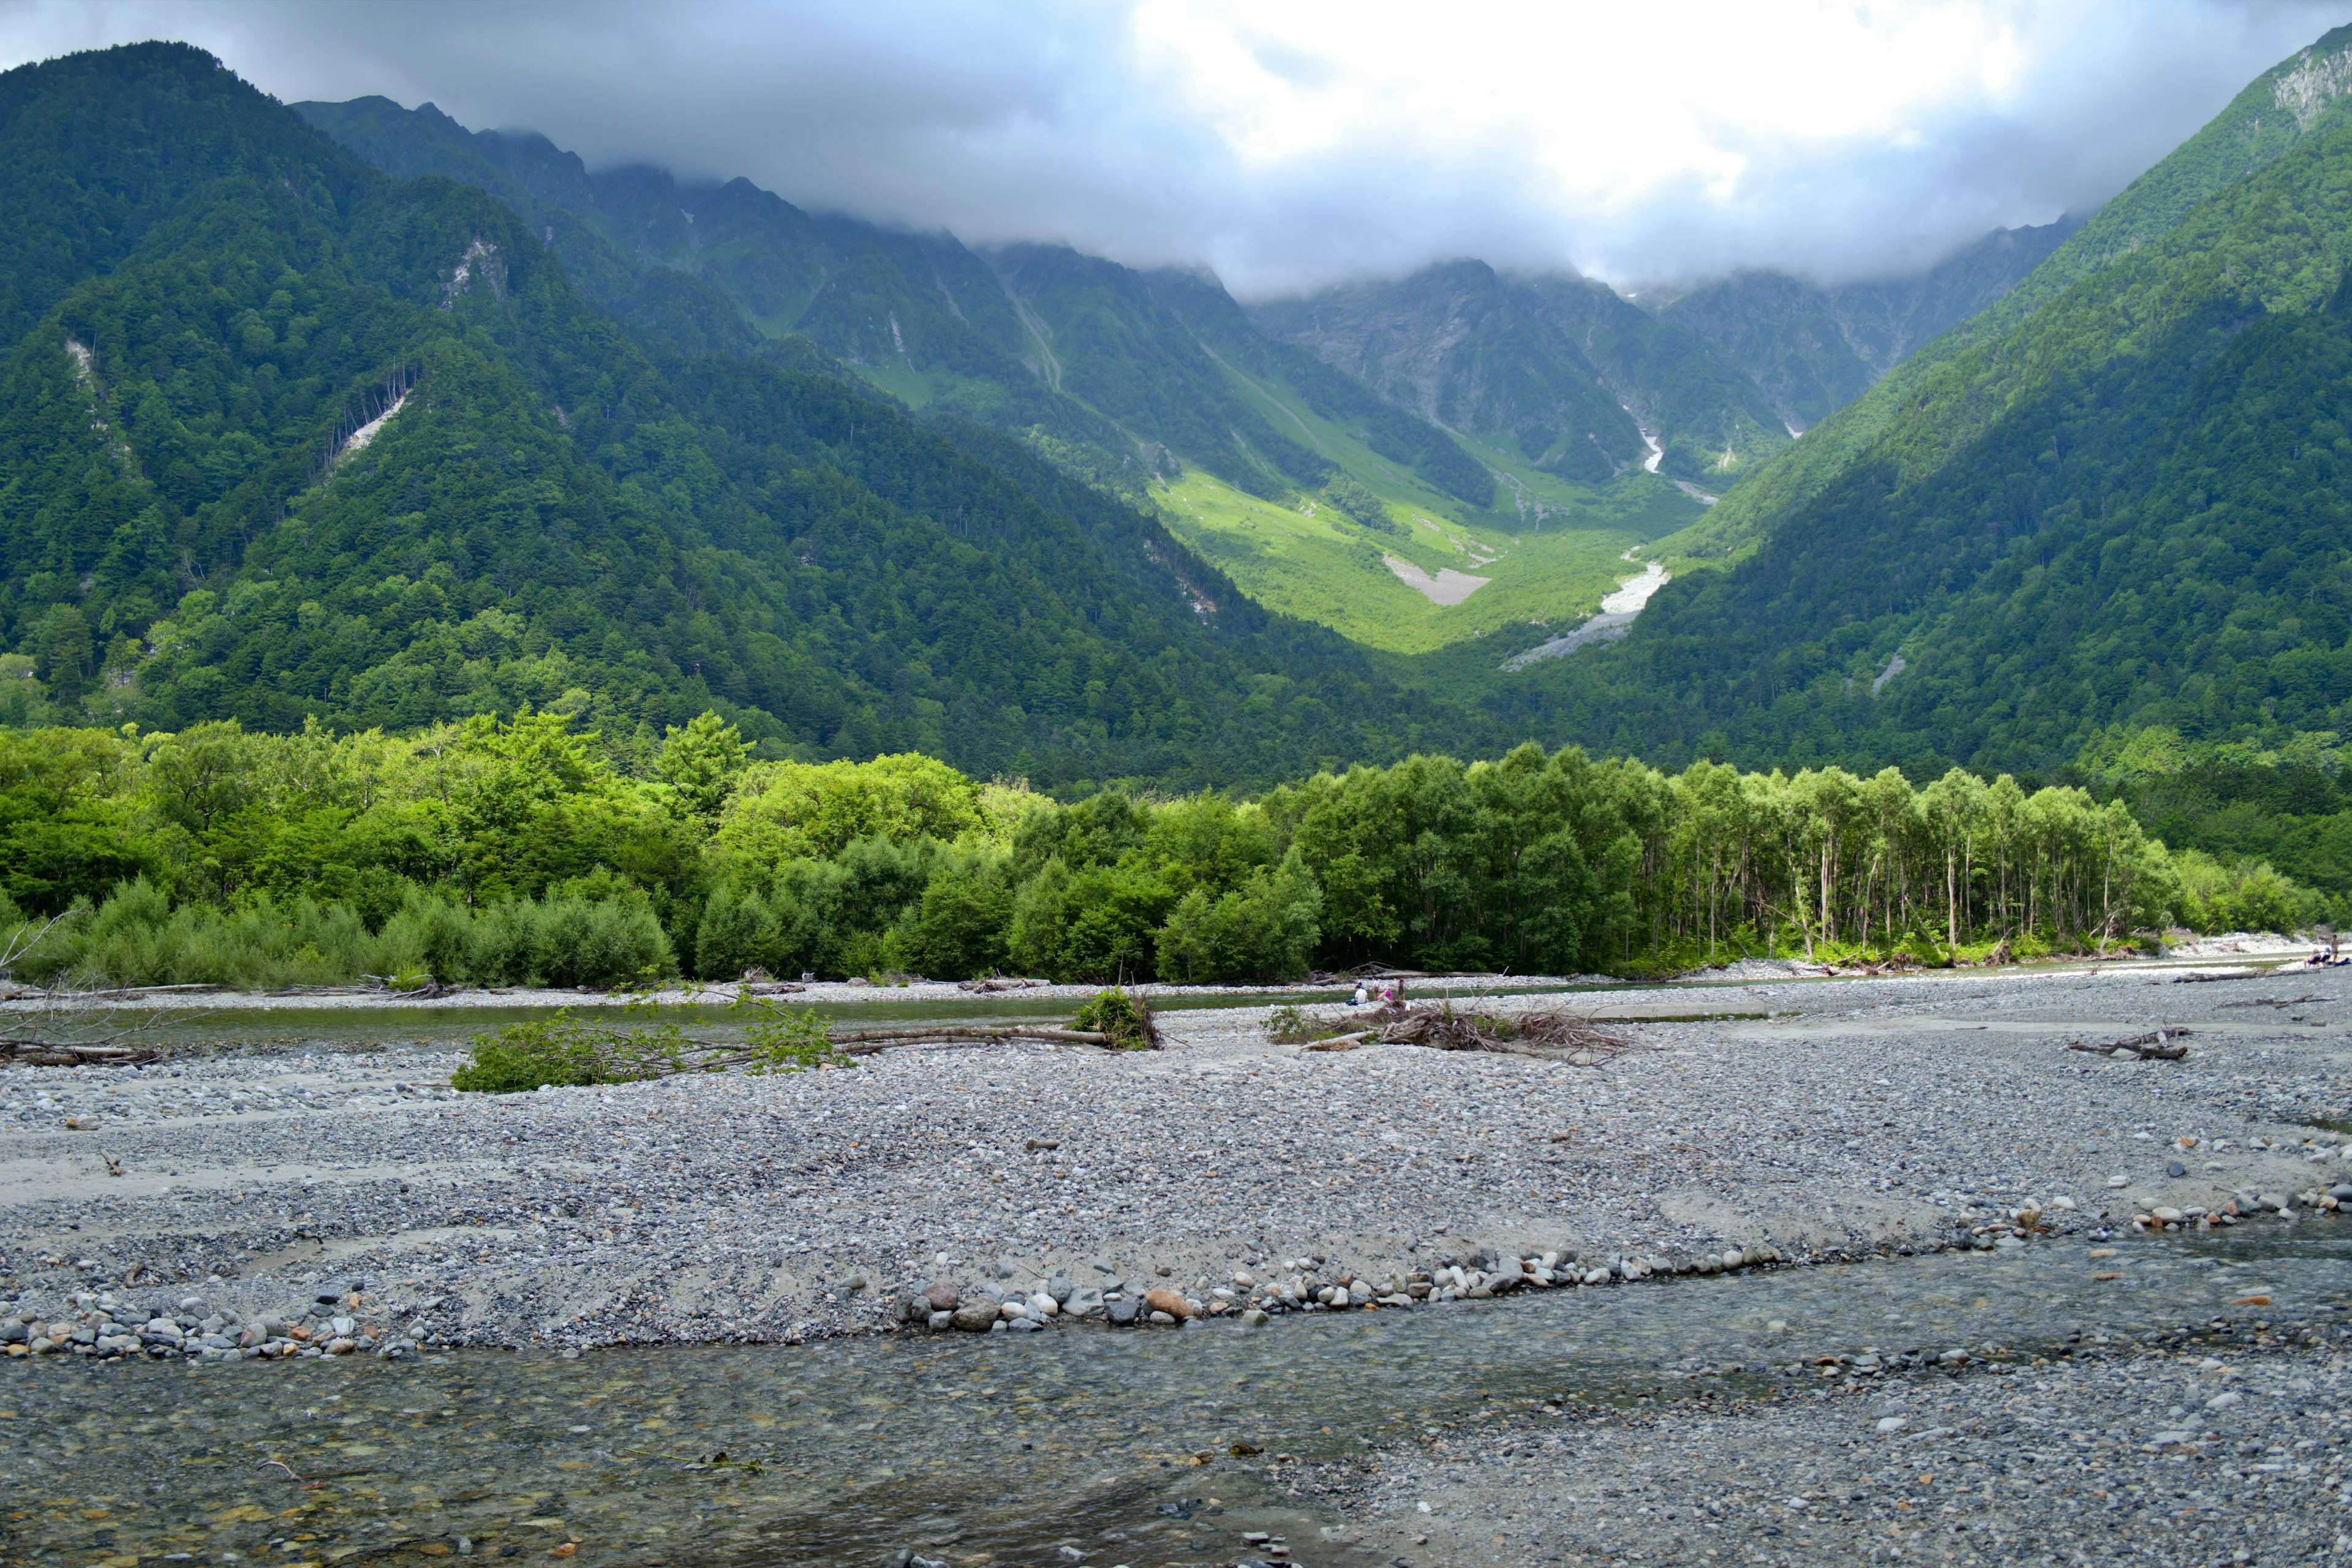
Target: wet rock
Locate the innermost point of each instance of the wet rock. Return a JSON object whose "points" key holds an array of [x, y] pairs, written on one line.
{"points": [[974, 1317], [1122, 1312]]}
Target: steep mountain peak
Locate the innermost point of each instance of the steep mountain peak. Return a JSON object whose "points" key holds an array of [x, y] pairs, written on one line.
{"points": [[2307, 84]]}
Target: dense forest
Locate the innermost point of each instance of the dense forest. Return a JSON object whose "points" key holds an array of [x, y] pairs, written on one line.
{"points": [[295, 454], [282, 438], [517, 852]]}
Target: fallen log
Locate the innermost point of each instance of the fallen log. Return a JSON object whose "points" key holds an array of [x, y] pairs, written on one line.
{"points": [[50, 1053], [994, 1032], [2162, 1045]]}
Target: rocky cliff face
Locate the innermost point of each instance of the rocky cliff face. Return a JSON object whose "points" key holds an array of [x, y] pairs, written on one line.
{"points": [[1811, 348], [1567, 374], [1465, 348]]}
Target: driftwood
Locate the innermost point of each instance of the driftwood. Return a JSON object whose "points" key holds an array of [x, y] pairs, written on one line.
{"points": [[69, 1026], [2163, 1045], [850, 1039], [58, 1054], [1555, 1036]]}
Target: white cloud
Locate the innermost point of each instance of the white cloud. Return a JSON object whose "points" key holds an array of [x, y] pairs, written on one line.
{"points": [[1291, 145]]}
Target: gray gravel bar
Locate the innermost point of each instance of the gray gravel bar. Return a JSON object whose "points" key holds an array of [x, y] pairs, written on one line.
{"points": [[1796, 1121]]}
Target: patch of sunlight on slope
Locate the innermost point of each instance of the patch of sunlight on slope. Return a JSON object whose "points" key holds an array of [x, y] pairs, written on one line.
{"points": [[1305, 559], [1548, 549]]}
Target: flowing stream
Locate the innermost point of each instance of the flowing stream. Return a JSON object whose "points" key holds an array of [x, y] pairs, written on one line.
{"points": [[1125, 1446]]}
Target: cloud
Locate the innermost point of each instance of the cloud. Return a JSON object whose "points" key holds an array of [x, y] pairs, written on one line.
{"points": [[1294, 145]]}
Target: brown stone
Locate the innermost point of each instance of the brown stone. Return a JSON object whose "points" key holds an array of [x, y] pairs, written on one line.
{"points": [[943, 1297], [1165, 1301]]}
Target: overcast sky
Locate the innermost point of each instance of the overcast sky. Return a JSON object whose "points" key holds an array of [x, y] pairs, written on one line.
{"points": [[1288, 145]]}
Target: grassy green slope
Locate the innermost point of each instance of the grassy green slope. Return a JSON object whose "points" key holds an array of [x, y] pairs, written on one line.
{"points": [[2066, 313], [1549, 549]]}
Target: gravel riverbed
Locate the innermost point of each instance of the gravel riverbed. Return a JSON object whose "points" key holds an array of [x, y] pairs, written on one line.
{"points": [[1766, 1121], [2232, 1451]]}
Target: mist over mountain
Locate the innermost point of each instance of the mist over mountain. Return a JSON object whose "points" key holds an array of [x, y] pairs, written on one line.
{"points": [[1564, 372], [853, 484]]}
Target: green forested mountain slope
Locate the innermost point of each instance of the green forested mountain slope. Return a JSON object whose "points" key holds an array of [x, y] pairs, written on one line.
{"points": [[2131, 507], [2067, 312], [543, 510], [1035, 338], [1712, 424], [1565, 372]]}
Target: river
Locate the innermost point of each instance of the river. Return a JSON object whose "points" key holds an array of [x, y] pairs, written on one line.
{"points": [[1079, 1444]]}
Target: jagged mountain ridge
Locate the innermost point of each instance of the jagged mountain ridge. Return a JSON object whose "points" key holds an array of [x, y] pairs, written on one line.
{"points": [[1578, 380], [1027, 338], [1813, 348], [1555, 371]]}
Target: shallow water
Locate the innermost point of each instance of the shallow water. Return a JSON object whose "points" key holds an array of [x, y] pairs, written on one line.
{"points": [[1130, 1446]]}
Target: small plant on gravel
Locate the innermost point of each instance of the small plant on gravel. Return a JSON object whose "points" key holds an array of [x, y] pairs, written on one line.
{"points": [[565, 1052], [1288, 1026], [787, 1039], [1123, 1017]]}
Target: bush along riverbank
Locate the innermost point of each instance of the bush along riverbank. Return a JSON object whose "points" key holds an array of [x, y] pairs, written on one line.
{"points": [[520, 852]]}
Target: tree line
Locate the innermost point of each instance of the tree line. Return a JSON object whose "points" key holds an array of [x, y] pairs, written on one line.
{"points": [[525, 851]]}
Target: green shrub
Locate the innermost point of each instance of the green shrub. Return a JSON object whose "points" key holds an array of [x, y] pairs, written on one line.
{"points": [[1288, 1024], [1122, 1016], [570, 941], [957, 929], [738, 932], [428, 935], [564, 1051], [788, 1039]]}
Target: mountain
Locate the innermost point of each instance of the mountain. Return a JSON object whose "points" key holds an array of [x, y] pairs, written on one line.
{"points": [[1564, 372], [2117, 496], [284, 436], [1312, 493], [1814, 348], [1029, 338], [1967, 382]]}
